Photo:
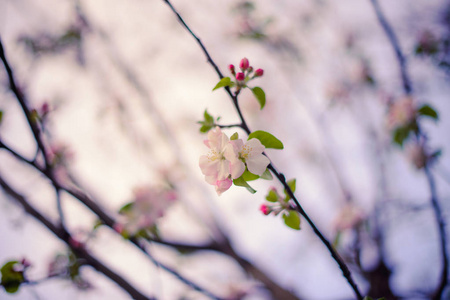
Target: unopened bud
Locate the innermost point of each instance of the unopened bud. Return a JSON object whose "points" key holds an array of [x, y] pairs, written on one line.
{"points": [[240, 76], [265, 209], [231, 68], [45, 108], [259, 73], [244, 64], [250, 69]]}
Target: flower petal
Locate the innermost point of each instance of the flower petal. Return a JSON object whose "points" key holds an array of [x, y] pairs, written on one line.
{"points": [[237, 168], [223, 185], [208, 166], [254, 147], [257, 164]]}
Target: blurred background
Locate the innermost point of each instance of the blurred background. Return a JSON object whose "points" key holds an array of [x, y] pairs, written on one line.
{"points": [[122, 86]]}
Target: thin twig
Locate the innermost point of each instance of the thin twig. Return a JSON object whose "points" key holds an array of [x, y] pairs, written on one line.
{"points": [[441, 225], [280, 177], [34, 128], [23, 104], [395, 45]]}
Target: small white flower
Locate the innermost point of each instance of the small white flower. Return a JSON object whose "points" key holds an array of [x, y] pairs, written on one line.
{"points": [[214, 165], [251, 153]]}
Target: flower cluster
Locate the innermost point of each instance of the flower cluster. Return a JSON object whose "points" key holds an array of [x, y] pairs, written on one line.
{"points": [[149, 205], [280, 204], [228, 159], [246, 73]]}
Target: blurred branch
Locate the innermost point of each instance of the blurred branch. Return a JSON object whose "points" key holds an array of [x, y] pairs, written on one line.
{"points": [[345, 270], [395, 45], [108, 220], [80, 252], [429, 176], [443, 241], [32, 122], [23, 104], [223, 247], [226, 248], [83, 198]]}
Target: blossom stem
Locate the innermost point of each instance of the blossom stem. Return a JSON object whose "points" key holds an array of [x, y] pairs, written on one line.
{"points": [[230, 126], [280, 177], [345, 270]]}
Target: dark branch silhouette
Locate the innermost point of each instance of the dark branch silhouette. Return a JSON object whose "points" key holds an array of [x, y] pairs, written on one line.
{"points": [[345, 270]]}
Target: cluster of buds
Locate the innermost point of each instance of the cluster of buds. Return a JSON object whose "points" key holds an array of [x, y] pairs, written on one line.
{"points": [[282, 205], [277, 205], [246, 73]]}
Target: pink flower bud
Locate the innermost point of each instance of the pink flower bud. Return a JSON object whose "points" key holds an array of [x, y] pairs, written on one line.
{"points": [[45, 108], [244, 64], [250, 69], [231, 68], [118, 228], [240, 76], [264, 209], [259, 73]]}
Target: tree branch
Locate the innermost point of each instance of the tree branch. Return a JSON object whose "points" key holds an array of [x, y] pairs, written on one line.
{"points": [[82, 197], [346, 272], [62, 234], [407, 87], [395, 45]]}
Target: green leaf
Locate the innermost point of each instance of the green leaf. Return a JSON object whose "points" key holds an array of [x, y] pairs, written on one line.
{"points": [[267, 175], [248, 176], [291, 183], [1, 116], [208, 122], [337, 240], [126, 208], [401, 134], [208, 118], [428, 111], [292, 219], [436, 154], [260, 96], [272, 196], [241, 182], [98, 224], [205, 128], [235, 136], [11, 279], [226, 81], [267, 139]]}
